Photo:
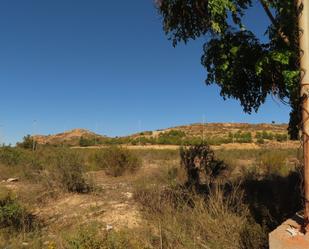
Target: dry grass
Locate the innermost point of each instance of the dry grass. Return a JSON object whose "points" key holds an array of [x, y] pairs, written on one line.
{"points": [[147, 209]]}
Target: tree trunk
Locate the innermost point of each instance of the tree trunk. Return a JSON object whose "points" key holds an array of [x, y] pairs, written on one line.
{"points": [[303, 21]]}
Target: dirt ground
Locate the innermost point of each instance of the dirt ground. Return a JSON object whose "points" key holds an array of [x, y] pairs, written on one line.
{"points": [[112, 204]]}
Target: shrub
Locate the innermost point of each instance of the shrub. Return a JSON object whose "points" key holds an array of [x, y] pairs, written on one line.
{"points": [[117, 161], [175, 137], [84, 142], [192, 140], [281, 137], [239, 137], [68, 170], [199, 162], [258, 135], [265, 135], [260, 141], [16, 162], [12, 214], [10, 156], [142, 140], [270, 136], [28, 143]]}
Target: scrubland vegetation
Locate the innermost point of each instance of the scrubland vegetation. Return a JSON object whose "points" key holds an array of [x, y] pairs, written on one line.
{"points": [[192, 198], [178, 137]]}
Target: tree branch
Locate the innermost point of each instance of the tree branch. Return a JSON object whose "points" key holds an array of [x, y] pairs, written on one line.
{"points": [[268, 12], [273, 21]]}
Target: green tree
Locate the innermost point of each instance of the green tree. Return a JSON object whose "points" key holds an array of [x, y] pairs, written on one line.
{"points": [[27, 143], [245, 67]]}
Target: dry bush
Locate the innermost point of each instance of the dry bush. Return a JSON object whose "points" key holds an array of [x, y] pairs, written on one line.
{"points": [[58, 169], [201, 165], [117, 161], [182, 220], [68, 170]]}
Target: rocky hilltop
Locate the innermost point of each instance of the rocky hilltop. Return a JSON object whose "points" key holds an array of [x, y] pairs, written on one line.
{"points": [[71, 137]]}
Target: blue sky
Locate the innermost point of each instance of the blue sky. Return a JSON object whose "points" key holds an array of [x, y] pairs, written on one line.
{"points": [[106, 66]]}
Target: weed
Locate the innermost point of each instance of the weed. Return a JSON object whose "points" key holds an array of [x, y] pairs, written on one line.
{"points": [[92, 237], [187, 220], [273, 162]]}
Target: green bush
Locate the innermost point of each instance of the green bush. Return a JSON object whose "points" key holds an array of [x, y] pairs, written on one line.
{"points": [[10, 156], [68, 169], [12, 214], [192, 141], [281, 137], [265, 135], [28, 143], [117, 161], [173, 137], [84, 142], [142, 140], [243, 137]]}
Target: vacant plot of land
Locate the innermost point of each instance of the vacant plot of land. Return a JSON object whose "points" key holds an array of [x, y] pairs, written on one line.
{"points": [[111, 211]]}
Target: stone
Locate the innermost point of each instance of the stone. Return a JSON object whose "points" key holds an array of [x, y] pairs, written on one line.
{"points": [[12, 180], [109, 227], [289, 236]]}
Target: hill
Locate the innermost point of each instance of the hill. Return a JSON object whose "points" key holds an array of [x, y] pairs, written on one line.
{"points": [[221, 129], [214, 133], [71, 137]]}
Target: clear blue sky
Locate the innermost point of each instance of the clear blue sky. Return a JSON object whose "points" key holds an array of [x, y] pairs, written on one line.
{"points": [[106, 66]]}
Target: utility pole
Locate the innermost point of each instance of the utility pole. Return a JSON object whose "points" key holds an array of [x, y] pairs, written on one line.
{"points": [[140, 130], [33, 139], [303, 22], [203, 136], [96, 132], [1, 140]]}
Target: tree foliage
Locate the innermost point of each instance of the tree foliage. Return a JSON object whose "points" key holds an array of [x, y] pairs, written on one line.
{"points": [[27, 143], [244, 66]]}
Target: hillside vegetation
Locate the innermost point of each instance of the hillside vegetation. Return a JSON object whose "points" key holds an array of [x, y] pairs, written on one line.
{"points": [[213, 133]]}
